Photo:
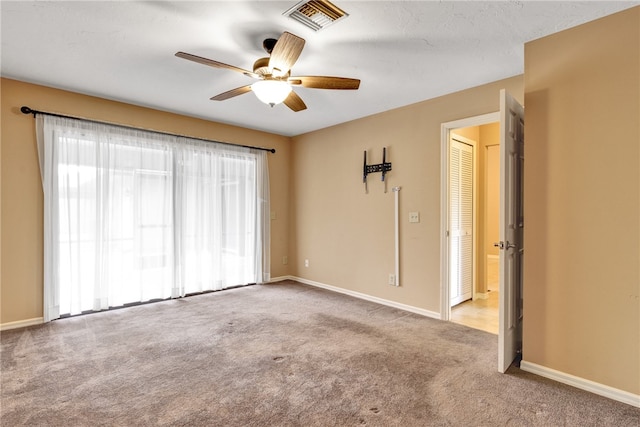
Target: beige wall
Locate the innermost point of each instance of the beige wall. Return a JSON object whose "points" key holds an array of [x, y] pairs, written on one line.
{"points": [[490, 138], [22, 200], [488, 216], [348, 235], [582, 201]]}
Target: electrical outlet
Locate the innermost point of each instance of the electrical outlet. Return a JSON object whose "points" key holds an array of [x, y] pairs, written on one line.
{"points": [[392, 279], [274, 215], [414, 216], [306, 263], [285, 260]]}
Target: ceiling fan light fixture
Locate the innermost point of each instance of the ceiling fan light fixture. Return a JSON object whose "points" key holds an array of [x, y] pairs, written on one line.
{"points": [[271, 92]]}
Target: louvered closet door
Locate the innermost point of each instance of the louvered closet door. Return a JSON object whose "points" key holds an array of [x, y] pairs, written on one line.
{"points": [[461, 221]]}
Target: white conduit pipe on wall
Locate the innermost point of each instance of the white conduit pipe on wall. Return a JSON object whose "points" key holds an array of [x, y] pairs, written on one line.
{"points": [[396, 190]]}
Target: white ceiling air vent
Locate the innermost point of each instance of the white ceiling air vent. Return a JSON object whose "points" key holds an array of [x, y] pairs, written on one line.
{"points": [[316, 14]]}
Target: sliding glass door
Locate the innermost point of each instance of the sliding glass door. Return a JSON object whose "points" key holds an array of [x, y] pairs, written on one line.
{"points": [[135, 216]]}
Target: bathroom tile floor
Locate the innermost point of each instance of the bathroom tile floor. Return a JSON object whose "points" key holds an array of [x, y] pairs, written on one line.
{"points": [[481, 313]]}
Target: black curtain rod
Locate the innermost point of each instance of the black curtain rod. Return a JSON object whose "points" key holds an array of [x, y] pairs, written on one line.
{"points": [[27, 110]]}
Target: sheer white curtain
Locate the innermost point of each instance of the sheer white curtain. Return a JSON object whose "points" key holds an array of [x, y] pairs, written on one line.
{"points": [[132, 216], [223, 218]]}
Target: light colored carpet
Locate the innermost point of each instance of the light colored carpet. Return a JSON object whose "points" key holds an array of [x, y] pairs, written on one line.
{"points": [[276, 355]]}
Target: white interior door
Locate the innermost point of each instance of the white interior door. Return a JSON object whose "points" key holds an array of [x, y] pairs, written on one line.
{"points": [[461, 221], [511, 227]]}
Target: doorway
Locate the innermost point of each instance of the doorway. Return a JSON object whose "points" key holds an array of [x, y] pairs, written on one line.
{"points": [[480, 302], [511, 223], [474, 190]]}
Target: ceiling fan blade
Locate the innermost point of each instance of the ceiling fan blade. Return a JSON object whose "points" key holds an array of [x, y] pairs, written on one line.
{"points": [[231, 93], [294, 102], [285, 53], [216, 64], [325, 82]]}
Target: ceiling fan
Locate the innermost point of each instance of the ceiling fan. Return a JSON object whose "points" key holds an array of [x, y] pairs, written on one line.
{"points": [[275, 83]]}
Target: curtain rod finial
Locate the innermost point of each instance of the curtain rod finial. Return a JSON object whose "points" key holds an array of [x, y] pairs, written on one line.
{"points": [[26, 110]]}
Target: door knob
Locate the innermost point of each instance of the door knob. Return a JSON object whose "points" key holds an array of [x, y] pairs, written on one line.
{"points": [[502, 245]]}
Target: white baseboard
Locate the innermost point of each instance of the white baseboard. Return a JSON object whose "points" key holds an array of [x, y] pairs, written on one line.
{"points": [[423, 312], [281, 278], [581, 383], [366, 297], [482, 295], [21, 323]]}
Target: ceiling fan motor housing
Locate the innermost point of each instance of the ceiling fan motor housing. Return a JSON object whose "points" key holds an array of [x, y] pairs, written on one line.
{"points": [[261, 67], [269, 44]]}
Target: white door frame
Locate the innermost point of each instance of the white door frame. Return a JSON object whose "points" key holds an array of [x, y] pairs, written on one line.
{"points": [[446, 128]]}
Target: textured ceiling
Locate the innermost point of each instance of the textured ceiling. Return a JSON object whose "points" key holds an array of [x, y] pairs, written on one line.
{"points": [[403, 52]]}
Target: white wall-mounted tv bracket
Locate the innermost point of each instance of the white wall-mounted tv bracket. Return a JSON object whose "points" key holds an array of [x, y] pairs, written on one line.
{"points": [[383, 167]]}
